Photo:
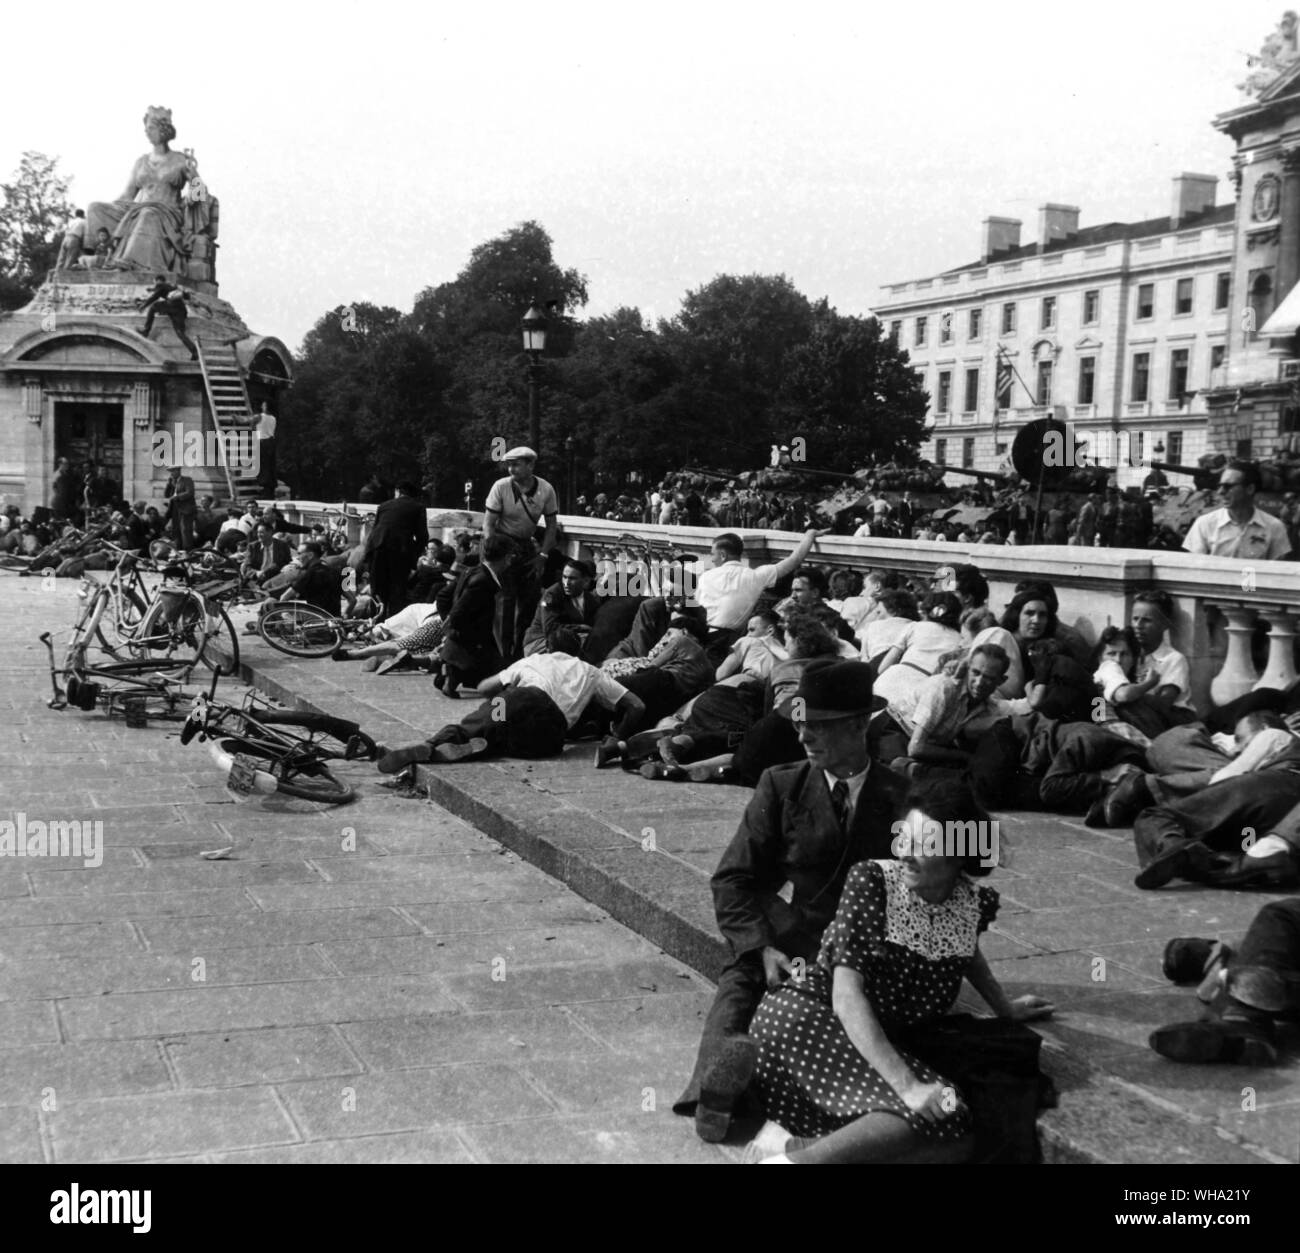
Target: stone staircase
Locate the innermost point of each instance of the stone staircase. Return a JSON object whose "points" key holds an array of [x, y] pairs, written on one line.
{"points": [[232, 415]]}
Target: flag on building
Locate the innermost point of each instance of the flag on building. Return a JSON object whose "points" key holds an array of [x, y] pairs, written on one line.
{"points": [[1005, 379]]}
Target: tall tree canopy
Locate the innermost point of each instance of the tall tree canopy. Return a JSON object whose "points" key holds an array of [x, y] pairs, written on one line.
{"points": [[34, 209]]}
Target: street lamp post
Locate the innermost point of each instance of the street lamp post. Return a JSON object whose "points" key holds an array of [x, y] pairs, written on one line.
{"points": [[534, 329], [568, 461]]}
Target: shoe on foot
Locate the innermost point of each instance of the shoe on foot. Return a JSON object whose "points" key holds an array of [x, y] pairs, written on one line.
{"points": [[660, 770], [399, 758], [1275, 871], [1189, 859], [1231, 1041], [448, 753], [340, 654], [1128, 798], [1187, 958], [397, 659], [609, 749], [727, 1077]]}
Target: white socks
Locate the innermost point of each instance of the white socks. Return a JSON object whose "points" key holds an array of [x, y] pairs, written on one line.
{"points": [[1267, 846]]}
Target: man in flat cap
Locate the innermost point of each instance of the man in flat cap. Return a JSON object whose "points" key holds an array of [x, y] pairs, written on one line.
{"points": [[516, 505], [778, 884]]}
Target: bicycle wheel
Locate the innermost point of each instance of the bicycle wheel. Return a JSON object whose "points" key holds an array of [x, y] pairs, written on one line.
{"points": [[307, 780], [126, 617], [220, 645], [301, 630], [169, 629]]}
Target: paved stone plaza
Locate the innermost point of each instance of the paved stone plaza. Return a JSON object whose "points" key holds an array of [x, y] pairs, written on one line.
{"points": [[348, 1010]]}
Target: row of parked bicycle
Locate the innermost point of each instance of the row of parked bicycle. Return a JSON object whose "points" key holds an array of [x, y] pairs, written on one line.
{"points": [[141, 636]]}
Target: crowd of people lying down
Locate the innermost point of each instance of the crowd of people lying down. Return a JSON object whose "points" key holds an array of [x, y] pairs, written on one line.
{"points": [[865, 713]]}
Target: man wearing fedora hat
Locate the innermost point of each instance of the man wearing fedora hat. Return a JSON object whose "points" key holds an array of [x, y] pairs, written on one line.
{"points": [[778, 884]]}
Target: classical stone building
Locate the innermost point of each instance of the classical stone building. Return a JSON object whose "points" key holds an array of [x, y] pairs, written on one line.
{"points": [[1254, 400], [1116, 328], [78, 379]]}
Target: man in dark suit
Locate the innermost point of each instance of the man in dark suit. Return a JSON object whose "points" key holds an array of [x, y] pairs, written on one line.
{"points": [[396, 541], [806, 826], [181, 507], [470, 652], [565, 615], [267, 556]]}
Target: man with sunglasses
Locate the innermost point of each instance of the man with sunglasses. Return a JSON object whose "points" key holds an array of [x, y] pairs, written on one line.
{"points": [[1239, 529]]}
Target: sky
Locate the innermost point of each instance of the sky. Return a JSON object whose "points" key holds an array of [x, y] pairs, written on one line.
{"points": [[360, 151]]}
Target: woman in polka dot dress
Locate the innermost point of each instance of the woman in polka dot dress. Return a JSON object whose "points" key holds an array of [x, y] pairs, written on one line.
{"points": [[907, 932]]}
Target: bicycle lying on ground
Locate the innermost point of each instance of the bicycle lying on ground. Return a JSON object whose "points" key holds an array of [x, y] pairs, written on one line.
{"points": [[302, 630], [139, 688], [263, 750]]}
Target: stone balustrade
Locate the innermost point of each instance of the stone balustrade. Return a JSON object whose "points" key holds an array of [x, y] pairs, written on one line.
{"points": [[1220, 604]]}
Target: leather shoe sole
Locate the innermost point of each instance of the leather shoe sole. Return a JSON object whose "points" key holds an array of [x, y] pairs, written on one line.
{"points": [[727, 1077], [1128, 798], [399, 658], [1275, 871], [475, 747]]}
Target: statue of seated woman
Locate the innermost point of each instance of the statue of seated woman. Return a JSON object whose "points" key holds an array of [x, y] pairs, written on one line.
{"points": [[152, 226]]}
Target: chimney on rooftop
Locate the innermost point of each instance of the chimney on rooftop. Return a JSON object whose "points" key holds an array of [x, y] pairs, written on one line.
{"points": [[1000, 235], [1193, 194], [1055, 223]]}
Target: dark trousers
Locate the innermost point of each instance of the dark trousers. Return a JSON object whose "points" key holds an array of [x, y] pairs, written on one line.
{"points": [[1273, 939], [267, 474], [390, 570], [992, 768], [182, 528], [177, 316], [519, 722], [740, 988], [657, 691], [1073, 780], [1222, 815]]}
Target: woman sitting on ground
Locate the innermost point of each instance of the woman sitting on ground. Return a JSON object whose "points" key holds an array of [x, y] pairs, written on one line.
{"points": [[920, 647], [835, 1071]]}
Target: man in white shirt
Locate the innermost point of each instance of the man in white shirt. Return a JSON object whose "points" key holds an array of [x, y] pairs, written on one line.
{"points": [[533, 704], [1239, 529], [728, 594]]}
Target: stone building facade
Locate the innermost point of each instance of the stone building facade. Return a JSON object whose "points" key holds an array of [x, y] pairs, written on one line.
{"points": [[1116, 328]]}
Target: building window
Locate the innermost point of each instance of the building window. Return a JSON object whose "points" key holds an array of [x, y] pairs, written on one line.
{"points": [[1044, 383], [1141, 448], [1261, 299], [1146, 301], [896, 331], [976, 323], [1222, 285], [968, 453], [945, 328], [1179, 364], [922, 330], [1217, 352], [941, 452], [1091, 307], [1048, 319], [972, 391], [1000, 450], [1087, 380], [1183, 297], [1141, 391], [1244, 449], [1174, 450], [944, 402], [1009, 319]]}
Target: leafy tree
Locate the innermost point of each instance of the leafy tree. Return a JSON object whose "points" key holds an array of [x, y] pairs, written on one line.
{"points": [[850, 393], [34, 211]]}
